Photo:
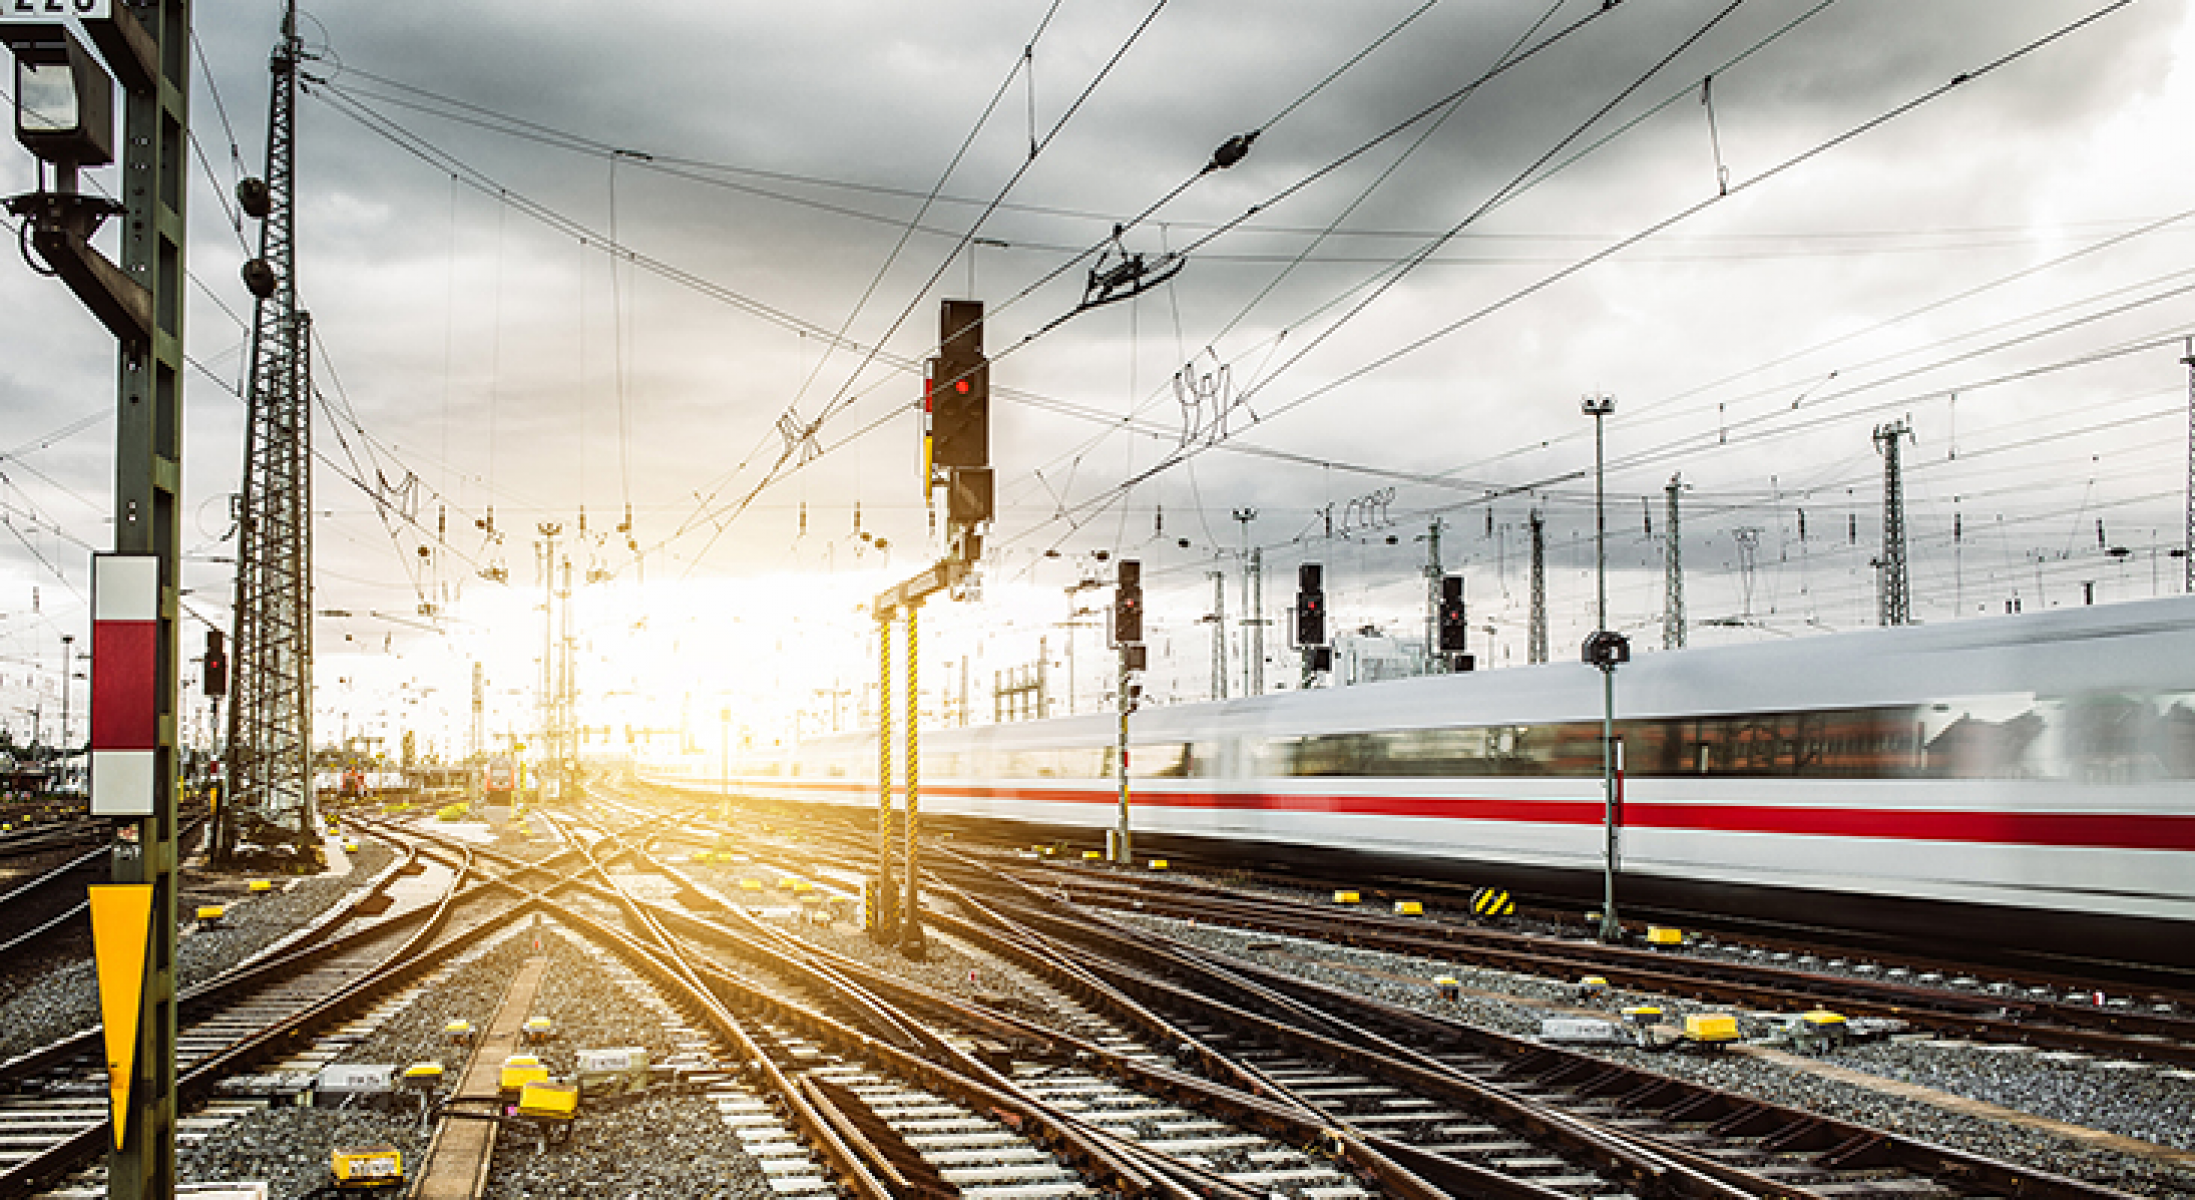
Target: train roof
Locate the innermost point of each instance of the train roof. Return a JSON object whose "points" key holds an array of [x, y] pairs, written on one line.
{"points": [[2141, 646]]}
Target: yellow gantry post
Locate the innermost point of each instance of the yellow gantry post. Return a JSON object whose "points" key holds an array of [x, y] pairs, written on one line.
{"points": [[880, 926], [910, 922]]}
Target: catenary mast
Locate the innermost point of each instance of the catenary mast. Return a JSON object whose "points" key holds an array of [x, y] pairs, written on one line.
{"points": [[270, 716]]}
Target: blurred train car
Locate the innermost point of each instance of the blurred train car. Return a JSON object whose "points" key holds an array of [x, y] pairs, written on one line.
{"points": [[2024, 781]]}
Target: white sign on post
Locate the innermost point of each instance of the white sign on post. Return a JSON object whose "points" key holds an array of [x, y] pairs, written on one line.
{"points": [[46, 12]]}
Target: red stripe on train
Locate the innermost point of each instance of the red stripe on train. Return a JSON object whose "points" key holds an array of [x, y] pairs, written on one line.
{"points": [[2133, 831]]}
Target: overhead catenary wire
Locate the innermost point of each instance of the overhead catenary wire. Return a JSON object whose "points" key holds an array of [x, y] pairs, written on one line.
{"points": [[1774, 171]]}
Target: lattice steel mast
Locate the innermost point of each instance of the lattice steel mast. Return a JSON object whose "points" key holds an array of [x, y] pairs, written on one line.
{"points": [[1673, 622], [270, 716], [1536, 644], [1896, 605]]}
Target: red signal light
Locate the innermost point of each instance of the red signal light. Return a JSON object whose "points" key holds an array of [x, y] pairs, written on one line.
{"points": [[961, 386]]}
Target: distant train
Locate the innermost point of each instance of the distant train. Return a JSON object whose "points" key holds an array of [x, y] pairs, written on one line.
{"points": [[499, 778], [2022, 780]]}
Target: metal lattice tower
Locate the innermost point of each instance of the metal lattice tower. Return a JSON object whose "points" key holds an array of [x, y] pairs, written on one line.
{"points": [[1536, 648], [1672, 621], [1219, 635], [270, 716], [1435, 662], [1895, 607]]}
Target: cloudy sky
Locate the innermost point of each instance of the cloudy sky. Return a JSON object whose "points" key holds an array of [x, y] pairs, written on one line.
{"points": [[580, 263]]}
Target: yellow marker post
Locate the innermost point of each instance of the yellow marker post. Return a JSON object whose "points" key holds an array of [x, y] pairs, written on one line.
{"points": [[121, 924]]}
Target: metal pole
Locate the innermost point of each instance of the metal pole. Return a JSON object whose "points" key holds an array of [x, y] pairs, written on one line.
{"points": [[1611, 929], [147, 474], [724, 783], [910, 923], [880, 928], [1123, 852], [1219, 635], [68, 646], [1257, 622]]}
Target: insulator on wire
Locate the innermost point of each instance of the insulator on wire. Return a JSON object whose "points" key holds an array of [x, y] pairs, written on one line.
{"points": [[255, 197], [259, 278]]}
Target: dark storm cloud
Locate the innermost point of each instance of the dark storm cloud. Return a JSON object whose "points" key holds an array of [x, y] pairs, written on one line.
{"points": [[456, 324]]}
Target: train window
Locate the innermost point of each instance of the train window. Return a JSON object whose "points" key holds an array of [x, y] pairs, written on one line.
{"points": [[1171, 760]]}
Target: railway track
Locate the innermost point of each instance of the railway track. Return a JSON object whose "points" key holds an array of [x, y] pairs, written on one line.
{"points": [[1094, 1057], [1683, 1124], [2159, 1026], [260, 1012]]}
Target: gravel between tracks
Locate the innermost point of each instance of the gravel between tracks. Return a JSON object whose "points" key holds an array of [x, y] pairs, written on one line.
{"points": [[64, 1001], [2146, 1104]]}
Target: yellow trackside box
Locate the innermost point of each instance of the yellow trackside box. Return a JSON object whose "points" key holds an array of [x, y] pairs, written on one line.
{"points": [[1663, 935], [1345, 897], [548, 1101], [1158, 864], [520, 1070], [1710, 1028], [1092, 855], [368, 1167], [750, 885], [211, 914], [537, 1029], [424, 1074], [260, 885], [1409, 908]]}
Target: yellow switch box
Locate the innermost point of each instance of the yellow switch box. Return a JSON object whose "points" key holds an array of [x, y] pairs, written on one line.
{"points": [[1710, 1027], [1409, 908], [1345, 897], [1663, 935], [548, 1101]]}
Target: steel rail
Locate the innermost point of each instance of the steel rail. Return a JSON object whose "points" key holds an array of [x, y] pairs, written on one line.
{"points": [[2075, 1027], [1845, 1146], [197, 1082]]}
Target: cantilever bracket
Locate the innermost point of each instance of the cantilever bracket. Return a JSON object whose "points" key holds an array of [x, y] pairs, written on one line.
{"points": [[61, 225]]}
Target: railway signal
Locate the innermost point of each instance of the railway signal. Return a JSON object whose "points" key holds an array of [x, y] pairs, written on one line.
{"points": [[217, 664], [1310, 622], [1310, 605], [1128, 604]]}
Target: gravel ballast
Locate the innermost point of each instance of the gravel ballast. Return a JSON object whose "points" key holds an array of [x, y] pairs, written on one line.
{"points": [[65, 1001], [2146, 1104]]}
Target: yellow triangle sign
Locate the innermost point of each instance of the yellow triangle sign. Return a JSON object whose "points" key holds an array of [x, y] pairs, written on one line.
{"points": [[121, 928]]}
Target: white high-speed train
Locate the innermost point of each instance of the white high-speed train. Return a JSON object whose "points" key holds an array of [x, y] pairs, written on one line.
{"points": [[2025, 780]]}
